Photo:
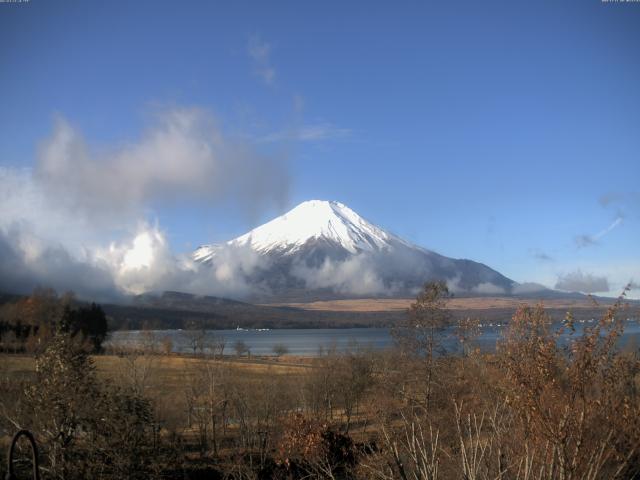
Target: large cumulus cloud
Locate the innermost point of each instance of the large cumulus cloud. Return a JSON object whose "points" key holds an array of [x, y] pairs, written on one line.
{"points": [[183, 155], [78, 220]]}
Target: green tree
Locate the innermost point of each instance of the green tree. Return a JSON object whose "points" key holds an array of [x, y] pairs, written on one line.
{"points": [[92, 323]]}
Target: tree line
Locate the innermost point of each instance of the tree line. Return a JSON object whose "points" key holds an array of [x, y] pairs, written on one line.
{"points": [[27, 325]]}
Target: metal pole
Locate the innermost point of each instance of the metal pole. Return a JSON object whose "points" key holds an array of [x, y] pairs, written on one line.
{"points": [[34, 455]]}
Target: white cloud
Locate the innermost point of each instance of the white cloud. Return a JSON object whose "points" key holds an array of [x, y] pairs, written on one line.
{"points": [[77, 220], [26, 262], [145, 263], [485, 288], [308, 133], [577, 281], [184, 155], [355, 275], [260, 53]]}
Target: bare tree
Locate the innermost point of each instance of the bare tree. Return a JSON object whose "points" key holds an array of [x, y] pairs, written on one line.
{"points": [[280, 349], [195, 337], [418, 335], [241, 348], [467, 331], [218, 344], [320, 384], [207, 400], [167, 345], [136, 370]]}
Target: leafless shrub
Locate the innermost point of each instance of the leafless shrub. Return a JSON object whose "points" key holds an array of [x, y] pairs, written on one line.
{"points": [[578, 405], [411, 452]]}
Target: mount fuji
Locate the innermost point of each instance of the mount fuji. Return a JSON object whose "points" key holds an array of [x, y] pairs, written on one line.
{"points": [[324, 250]]}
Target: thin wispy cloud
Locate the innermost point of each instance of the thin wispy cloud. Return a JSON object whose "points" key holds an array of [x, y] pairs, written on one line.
{"points": [[622, 201], [298, 102], [259, 52], [308, 133], [541, 256], [584, 240]]}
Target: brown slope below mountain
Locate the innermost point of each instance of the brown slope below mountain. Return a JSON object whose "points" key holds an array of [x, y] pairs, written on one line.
{"points": [[477, 303]]}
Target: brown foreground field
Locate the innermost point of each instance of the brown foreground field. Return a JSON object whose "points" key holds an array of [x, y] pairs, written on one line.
{"points": [[169, 370], [168, 379], [532, 410]]}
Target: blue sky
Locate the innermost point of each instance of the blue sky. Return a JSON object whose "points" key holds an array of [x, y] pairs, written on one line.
{"points": [[505, 132]]}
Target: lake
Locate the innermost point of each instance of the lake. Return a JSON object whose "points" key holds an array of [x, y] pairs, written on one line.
{"points": [[309, 342]]}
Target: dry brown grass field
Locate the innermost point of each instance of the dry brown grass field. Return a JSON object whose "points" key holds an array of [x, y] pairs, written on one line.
{"points": [[169, 370], [166, 377], [400, 304]]}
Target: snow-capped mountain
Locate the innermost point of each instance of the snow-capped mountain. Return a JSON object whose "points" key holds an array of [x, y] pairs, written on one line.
{"points": [[333, 222], [323, 249]]}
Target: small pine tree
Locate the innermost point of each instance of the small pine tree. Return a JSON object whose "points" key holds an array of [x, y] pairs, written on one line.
{"points": [[87, 429], [62, 398]]}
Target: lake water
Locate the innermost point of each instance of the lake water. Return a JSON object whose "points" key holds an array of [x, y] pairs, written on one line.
{"points": [[309, 342]]}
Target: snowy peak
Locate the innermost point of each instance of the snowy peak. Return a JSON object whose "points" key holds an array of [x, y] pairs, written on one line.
{"points": [[314, 220], [324, 249]]}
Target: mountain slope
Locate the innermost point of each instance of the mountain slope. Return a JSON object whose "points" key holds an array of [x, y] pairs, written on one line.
{"points": [[324, 249]]}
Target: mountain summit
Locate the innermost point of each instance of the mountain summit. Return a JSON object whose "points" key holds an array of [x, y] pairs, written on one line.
{"points": [[312, 221], [323, 249]]}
